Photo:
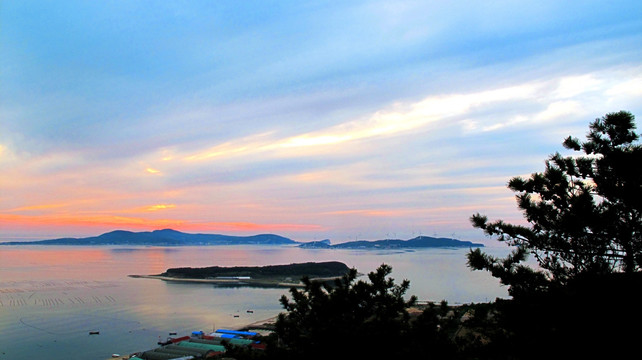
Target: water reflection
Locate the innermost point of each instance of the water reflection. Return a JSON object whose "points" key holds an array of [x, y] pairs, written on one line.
{"points": [[51, 297], [129, 250]]}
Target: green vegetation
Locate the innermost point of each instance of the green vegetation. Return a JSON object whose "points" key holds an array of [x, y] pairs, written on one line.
{"points": [[373, 319], [296, 271], [321, 318], [255, 276]]}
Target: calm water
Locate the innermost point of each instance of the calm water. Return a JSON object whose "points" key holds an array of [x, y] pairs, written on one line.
{"points": [[52, 297]]}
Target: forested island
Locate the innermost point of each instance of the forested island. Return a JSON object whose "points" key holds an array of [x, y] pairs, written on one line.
{"points": [[263, 276]]}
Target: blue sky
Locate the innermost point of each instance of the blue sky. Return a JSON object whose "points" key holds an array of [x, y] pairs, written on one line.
{"points": [[314, 120]]}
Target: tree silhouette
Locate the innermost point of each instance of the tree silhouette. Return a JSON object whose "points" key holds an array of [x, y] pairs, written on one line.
{"points": [[585, 231], [585, 212], [361, 318]]}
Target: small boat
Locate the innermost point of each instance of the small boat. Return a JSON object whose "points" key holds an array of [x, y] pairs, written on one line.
{"points": [[94, 332]]}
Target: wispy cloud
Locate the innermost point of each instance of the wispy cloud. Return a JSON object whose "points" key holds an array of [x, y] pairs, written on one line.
{"points": [[545, 100], [37, 207], [110, 221], [160, 207]]}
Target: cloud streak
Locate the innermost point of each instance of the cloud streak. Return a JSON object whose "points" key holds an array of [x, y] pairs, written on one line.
{"points": [[545, 100]]}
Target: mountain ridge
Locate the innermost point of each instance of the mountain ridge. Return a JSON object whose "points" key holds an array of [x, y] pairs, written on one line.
{"points": [[164, 237]]}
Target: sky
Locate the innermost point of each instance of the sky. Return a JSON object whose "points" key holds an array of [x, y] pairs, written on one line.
{"points": [[338, 120]]}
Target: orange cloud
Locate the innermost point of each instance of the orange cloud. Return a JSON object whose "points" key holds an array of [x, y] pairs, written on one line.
{"points": [[84, 221], [38, 207], [160, 207], [247, 227], [13, 221], [387, 213]]}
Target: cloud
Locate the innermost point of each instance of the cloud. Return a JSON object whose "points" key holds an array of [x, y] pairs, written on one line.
{"points": [[441, 141], [160, 207], [39, 207], [409, 117], [127, 222], [558, 109], [549, 100], [626, 88], [401, 118], [570, 86]]}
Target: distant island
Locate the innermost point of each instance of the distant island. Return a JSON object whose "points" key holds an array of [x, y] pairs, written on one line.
{"points": [[418, 242], [262, 276], [169, 237], [166, 237]]}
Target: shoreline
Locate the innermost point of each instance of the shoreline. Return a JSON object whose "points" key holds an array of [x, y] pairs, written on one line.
{"points": [[265, 324], [233, 282]]}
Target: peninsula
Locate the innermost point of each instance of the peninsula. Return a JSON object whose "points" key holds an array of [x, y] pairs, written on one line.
{"points": [[260, 276]]}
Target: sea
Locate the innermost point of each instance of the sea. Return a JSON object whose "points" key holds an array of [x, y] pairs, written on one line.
{"points": [[77, 302]]}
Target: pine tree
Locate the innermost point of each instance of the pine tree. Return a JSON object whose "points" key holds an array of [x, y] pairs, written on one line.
{"points": [[361, 319], [585, 212], [585, 227]]}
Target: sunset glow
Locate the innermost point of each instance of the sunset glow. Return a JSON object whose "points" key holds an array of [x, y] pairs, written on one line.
{"points": [[337, 120]]}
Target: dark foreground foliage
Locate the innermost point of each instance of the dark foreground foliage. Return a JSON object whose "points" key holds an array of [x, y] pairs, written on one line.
{"points": [[585, 231], [584, 212], [321, 319], [589, 318]]}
